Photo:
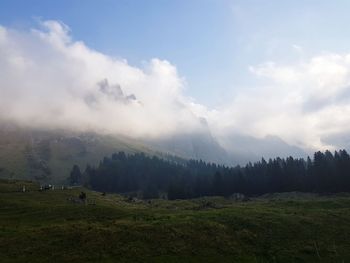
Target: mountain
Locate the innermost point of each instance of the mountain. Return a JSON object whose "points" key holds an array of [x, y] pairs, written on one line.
{"points": [[48, 156], [192, 146], [243, 148], [199, 144]]}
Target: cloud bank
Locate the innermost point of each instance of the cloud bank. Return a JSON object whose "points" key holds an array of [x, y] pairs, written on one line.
{"points": [[305, 103], [47, 79]]}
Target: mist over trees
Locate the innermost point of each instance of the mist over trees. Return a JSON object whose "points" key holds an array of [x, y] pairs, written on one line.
{"points": [[179, 179], [75, 175]]}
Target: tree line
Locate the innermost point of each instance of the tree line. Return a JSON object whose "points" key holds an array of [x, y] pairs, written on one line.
{"points": [[153, 177]]}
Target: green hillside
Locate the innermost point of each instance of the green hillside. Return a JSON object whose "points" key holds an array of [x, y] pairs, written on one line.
{"points": [[54, 226], [48, 156]]}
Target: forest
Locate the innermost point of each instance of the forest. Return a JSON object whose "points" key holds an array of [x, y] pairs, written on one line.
{"points": [[154, 177]]}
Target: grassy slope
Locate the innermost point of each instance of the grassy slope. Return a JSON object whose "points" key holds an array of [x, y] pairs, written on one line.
{"points": [[65, 155], [43, 226], [23, 153], [13, 162]]}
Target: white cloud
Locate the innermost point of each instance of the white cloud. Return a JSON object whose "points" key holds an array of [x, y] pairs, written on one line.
{"points": [[298, 48], [278, 74], [302, 103], [47, 79], [50, 80]]}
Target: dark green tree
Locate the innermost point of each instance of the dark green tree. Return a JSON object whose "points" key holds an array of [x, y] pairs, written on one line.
{"points": [[75, 177]]}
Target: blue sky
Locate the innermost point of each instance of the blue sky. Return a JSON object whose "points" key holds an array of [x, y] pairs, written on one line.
{"points": [[212, 42]]}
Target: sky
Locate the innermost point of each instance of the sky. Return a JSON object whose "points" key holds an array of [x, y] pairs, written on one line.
{"points": [[212, 42], [252, 66]]}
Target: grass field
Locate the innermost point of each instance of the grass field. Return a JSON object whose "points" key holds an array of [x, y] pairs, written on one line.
{"points": [[50, 226]]}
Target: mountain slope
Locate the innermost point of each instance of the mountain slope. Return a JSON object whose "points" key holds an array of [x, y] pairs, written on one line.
{"points": [[192, 146], [48, 156], [243, 148]]}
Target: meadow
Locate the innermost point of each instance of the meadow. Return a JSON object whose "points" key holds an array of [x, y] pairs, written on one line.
{"points": [[52, 225]]}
